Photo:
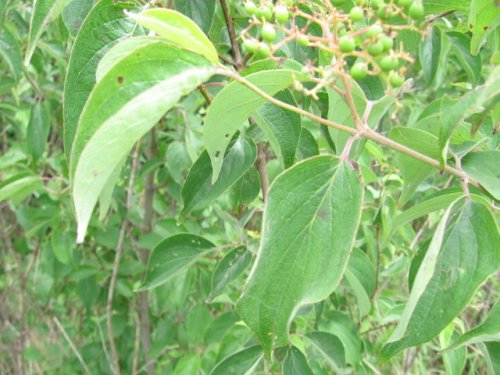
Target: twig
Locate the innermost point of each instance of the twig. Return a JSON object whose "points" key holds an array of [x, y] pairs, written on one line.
{"points": [[71, 345], [116, 264], [232, 34], [366, 133], [103, 342]]}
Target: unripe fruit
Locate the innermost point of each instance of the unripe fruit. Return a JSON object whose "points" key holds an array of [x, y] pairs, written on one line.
{"points": [[268, 33], [388, 63], [374, 31], [265, 12], [281, 14], [356, 14], [358, 71], [404, 3], [387, 43], [396, 80], [303, 40], [251, 45], [375, 49], [263, 50], [377, 4], [384, 13], [251, 8], [416, 10], [346, 44]]}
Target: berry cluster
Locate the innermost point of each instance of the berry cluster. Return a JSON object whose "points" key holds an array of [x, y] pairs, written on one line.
{"points": [[358, 39]]}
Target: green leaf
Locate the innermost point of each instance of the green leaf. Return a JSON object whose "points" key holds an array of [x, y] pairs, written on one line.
{"points": [[172, 256], [38, 129], [105, 26], [44, 12], [310, 221], [330, 347], [234, 104], [243, 362], [308, 147], [488, 330], [430, 52], [10, 52], [128, 101], [178, 29], [471, 64], [74, 14], [246, 189], [296, 363], [200, 11], [441, 6], [454, 361], [481, 16], [360, 275], [198, 191], [61, 245], [107, 191], [229, 268], [413, 170], [493, 356], [484, 167], [281, 127], [19, 186], [461, 256]]}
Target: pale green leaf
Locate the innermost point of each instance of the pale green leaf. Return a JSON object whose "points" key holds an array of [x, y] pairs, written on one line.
{"points": [[172, 256], [129, 100], [234, 104], [179, 29], [19, 186], [310, 221], [454, 360], [441, 6], [105, 25], [481, 16]]}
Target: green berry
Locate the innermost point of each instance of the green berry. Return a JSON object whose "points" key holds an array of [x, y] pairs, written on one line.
{"points": [[377, 4], [404, 3], [359, 71], [268, 33], [281, 14], [416, 10], [396, 80], [266, 12], [251, 45], [384, 13], [356, 14], [387, 43], [346, 44], [303, 40], [251, 8], [375, 49], [388, 63], [263, 50], [374, 31]]}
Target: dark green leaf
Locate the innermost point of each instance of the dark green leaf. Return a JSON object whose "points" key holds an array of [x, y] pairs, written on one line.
{"points": [[430, 53], [296, 363], [461, 256], [330, 347], [200, 11], [484, 166], [172, 256], [471, 64], [281, 127], [38, 129], [241, 363], [74, 14], [229, 268], [246, 189], [318, 201], [10, 52]]}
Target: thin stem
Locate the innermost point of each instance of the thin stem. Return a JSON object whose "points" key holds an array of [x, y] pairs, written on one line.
{"points": [[116, 263], [232, 35], [72, 346], [365, 132]]}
